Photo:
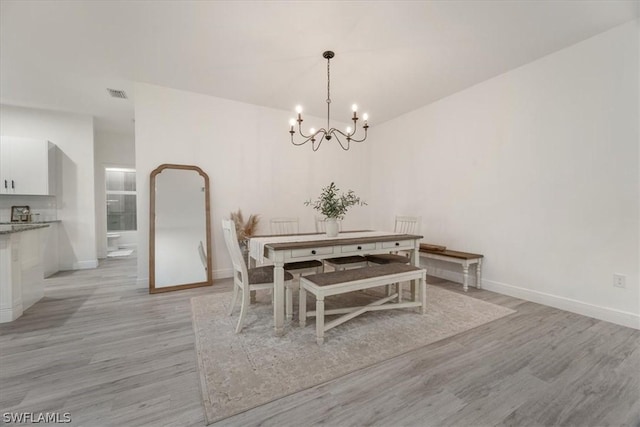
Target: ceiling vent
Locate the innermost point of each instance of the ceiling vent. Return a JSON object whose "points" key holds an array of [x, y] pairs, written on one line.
{"points": [[117, 93]]}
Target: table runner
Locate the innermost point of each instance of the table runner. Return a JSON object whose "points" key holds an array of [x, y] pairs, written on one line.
{"points": [[256, 244]]}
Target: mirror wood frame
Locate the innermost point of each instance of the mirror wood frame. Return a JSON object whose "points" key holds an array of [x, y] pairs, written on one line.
{"points": [[152, 230]]}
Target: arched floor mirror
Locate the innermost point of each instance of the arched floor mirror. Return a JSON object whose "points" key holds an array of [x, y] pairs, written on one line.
{"points": [[180, 229]]}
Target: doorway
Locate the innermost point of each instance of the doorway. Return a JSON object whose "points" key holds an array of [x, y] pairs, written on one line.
{"points": [[121, 198]]}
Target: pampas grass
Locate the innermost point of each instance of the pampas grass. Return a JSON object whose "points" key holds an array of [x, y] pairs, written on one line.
{"points": [[244, 230]]}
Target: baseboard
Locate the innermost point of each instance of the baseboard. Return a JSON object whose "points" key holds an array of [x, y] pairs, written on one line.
{"points": [[618, 317], [223, 273], [85, 265], [142, 283], [9, 314]]}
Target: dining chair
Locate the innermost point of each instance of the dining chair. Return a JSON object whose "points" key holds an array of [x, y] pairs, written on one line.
{"points": [[404, 225], [281, 226], [246, 279], [340, 263]]}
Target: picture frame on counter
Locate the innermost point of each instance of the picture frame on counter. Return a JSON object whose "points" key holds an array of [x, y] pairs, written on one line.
{"points": [[20, 213]]}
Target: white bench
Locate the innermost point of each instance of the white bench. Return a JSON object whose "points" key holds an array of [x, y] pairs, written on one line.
{"points": [[340, 282], [465, 259]]}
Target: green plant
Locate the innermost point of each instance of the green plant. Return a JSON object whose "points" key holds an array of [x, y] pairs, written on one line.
{"points": [[334, 205]]}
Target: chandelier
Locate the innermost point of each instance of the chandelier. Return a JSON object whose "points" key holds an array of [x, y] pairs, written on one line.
{"points": [[317, 136]]}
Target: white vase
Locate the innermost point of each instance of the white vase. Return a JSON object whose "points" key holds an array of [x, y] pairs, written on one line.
{"points": [[331, 227]]}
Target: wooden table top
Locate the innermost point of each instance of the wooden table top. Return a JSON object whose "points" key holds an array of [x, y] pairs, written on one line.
{"points": [[341, 241]]}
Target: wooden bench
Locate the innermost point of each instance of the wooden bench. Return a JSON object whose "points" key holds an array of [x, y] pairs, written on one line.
{"points": [[340, 282], [465, 259]]}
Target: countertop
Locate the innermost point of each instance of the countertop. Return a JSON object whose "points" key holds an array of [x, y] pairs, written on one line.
{"points": [[10, 229], [30, 223]]}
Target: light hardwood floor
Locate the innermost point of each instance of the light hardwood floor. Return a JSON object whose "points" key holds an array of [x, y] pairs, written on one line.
{"points": [[113, 355]]}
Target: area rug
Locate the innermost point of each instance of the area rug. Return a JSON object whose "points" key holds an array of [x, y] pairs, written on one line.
{"points": [[241, 371]]}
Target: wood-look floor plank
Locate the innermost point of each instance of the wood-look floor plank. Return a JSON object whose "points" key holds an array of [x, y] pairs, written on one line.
{"points": [[109, 353]]}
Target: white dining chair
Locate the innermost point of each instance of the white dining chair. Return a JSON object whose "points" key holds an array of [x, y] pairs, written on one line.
{"points": [[281, 226], [340, 263], [405, 225], [246, 279]]}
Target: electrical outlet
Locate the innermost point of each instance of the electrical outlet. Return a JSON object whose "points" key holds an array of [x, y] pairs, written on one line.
{"points": [[619, 280]]}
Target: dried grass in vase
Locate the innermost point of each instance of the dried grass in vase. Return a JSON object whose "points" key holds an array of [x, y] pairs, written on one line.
{"points": [[245, 230]]}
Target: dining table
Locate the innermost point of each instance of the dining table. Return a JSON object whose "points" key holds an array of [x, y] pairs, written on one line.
{"points": [[281, 249]]}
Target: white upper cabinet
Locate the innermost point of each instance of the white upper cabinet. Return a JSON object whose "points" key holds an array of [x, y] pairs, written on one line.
{"points": [[27, 166]]}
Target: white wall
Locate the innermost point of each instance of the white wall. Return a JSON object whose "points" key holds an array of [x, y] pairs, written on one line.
{"points": [[537, 169], [73, 134], [111, 150], [247, 153]]}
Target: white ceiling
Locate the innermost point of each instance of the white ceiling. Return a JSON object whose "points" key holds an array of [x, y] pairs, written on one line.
{"points": [[391, 57]]}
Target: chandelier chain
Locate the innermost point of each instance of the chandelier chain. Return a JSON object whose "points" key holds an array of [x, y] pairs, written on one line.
{"points": [[328, 92]]}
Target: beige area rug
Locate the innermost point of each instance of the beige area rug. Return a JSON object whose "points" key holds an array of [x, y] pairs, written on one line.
{"points": [[241, 371]]}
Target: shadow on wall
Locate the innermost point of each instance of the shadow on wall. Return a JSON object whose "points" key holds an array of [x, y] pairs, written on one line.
{"points": [[67, 201]]}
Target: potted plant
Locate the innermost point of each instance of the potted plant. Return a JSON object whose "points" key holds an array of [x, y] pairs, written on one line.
{"points": [[334, 206]]}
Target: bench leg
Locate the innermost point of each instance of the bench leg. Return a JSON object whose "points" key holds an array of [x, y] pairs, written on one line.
{"points": [[320, 319], [479, 274], [302, 307], [465, 276], [399, 291]]}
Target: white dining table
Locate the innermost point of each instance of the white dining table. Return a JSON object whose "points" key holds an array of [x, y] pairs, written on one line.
{"points": [[303, 247]]}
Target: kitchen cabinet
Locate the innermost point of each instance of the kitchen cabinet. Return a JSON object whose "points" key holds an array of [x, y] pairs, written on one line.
{"points": [[27, 166], [21, 271]]}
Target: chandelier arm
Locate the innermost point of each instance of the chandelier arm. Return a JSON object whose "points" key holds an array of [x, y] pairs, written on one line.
{"points": [[349, 136], [300, 130], [309, 137], [335, 134], [315, 147], [300, 143], [363, 138]]}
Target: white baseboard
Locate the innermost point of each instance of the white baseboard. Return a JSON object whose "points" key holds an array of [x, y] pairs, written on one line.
{"points": [[9, 314], [142, 283], [618, 317], [223, 273]]}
